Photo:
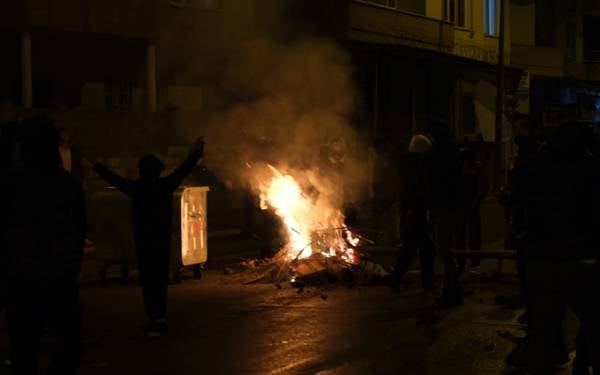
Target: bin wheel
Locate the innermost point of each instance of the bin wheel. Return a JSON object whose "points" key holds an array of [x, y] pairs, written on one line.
{"points": [[177, 276], [125, 271], [197, 272]]}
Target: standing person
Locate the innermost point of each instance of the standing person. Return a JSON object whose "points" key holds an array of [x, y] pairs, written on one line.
{"points": [[524, 131], [445, 179], [475, 187], [414, 231], [151, 207], [558, 194], [385, 186], [43, 224], [529, 148]]}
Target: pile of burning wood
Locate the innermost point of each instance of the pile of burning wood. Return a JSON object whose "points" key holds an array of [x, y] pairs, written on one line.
{"points": [[319, 248]]}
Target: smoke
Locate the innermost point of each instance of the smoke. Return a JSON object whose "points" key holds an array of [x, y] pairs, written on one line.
{"points": [[294, 106]]}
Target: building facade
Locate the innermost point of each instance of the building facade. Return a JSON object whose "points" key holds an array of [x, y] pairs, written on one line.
{"points": [[556, 44], [126, 74]]}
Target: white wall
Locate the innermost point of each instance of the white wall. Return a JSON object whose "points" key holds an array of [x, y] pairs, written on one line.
{"points": [[434, 9], [523, 24]]}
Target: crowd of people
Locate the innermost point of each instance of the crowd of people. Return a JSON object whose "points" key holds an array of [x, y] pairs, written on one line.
{"points": [[43, 232], [552, 207], [551, 203], [439, 193]]}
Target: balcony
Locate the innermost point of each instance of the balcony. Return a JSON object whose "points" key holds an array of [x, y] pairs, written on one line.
{"points": [[133, 18], [369, 22], [543, 61], [372, 23]]}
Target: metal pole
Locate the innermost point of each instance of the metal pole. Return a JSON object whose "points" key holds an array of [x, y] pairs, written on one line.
{"points": [[26, 74], [376, 97], [500, 100], [151, 77]]}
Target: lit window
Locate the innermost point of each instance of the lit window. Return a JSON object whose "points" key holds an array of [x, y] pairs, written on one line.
{"points": [[491, 12], [200, 4], [118, 96], [455, 12]]}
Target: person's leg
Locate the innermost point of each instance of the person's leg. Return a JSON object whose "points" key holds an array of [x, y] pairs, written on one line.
{"points": [[546, 313], [64, 307], [427, 255], [522, 272], [461, 238], [474, 221], [582, 361], [24, 318], [584, 297], [407, 252], [162, 283], [146, 279], [444, 222]]}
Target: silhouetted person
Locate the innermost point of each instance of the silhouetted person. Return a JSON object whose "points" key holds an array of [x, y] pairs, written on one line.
{"points": [[42, 216], [558, 191], [385, 182], [8, 146], [446, 180], [524, 131], [474, 188], [413, 198], [151, 209], [527, 138]]}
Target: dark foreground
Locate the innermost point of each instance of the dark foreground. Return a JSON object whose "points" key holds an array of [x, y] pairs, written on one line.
{"points": [[220, 327]]}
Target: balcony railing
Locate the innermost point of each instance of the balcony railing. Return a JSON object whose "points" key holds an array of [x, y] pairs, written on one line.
{"points": [[545, 61], [124, 17], [374, 23]]}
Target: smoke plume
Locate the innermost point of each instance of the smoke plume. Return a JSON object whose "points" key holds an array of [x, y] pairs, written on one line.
{"points": [[294, 106]]}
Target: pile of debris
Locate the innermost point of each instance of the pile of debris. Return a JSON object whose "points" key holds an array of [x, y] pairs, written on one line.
{"points": [[317, 270]]}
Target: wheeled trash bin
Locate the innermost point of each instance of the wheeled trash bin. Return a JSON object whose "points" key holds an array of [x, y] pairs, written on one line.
{"points": [[111, 232]]}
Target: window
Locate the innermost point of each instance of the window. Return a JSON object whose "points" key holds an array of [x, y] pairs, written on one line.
{"points": [[118, 96], [491, 13], [200, 4], [545, 24], [455, 12]]}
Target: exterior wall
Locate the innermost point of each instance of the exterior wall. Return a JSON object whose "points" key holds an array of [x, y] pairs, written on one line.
{"points": [[121, 17], [472, 43], [523, 23], [374, 24], [435, 9]]}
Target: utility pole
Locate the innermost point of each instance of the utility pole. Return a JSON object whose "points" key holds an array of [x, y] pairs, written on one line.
{"points": [[500, 100]]}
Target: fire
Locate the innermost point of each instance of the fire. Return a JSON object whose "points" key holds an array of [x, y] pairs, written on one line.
{"points": [[312, 224]]}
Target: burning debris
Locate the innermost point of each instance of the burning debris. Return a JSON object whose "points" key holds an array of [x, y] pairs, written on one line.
{"points": [[319, 248], [312, 224]]}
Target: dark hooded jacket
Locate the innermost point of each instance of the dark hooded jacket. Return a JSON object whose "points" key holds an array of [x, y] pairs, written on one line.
{"points": [[558, 193]]}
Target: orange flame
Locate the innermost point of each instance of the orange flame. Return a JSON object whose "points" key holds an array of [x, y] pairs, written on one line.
{"points": [[312, 225]]}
